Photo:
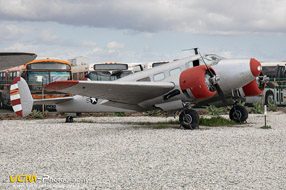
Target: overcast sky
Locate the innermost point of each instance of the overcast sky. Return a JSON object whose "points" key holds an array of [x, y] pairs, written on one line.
{"points": [[147, 30]]}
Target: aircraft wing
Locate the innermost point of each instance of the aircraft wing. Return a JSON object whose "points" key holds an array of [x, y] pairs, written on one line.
{"points": [[51, 100], [12, 59], [122, 92]]}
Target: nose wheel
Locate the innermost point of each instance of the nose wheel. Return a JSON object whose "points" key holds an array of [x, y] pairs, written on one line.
{"points": [[238, 113], [189, 119]]}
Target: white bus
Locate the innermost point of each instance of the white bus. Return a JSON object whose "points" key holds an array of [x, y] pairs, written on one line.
{"points": [[112, 71], [155, 64], [277, 73]]}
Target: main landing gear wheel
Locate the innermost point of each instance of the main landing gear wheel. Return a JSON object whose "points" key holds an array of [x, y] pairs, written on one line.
{"points": [[238, 113], [189, 119], [69, 119], [269, 98]]}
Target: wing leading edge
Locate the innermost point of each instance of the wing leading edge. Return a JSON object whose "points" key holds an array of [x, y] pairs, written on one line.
{"points": [[122, 92]]}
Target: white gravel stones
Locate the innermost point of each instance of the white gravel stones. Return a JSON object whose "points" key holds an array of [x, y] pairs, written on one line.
{"points": [[113, 153]]}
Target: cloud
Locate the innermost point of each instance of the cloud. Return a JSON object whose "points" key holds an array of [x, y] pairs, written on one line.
{"points": [[11, 31], [113, 46], [193, 16], [87, 43], [19, 47], [48, 36]]}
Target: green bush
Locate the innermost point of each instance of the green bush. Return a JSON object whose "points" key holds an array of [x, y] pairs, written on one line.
{"points": [[272, 107], [241, 104], [257, 108], [46, 113], [154, 113], [36, 114], [212, 110], [216, 121], [266, 127], [118, 114]]}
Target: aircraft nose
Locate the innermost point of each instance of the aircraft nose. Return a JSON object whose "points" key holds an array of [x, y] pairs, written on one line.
{"points": [[255, 67]]}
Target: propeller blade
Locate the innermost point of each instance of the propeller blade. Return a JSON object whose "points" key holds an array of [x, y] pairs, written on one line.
{"points": [[218, 89], [221, 94], [208, 69]]}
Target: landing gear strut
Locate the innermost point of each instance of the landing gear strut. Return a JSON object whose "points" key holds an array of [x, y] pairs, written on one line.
{"points": [[69, 119], [189, 118], [238, 113]]}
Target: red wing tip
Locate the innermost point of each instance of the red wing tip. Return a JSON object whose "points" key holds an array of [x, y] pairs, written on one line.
{"points": [[60, 85]]}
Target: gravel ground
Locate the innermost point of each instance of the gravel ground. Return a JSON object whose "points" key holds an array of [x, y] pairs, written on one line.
{"points": [[116, 153]]}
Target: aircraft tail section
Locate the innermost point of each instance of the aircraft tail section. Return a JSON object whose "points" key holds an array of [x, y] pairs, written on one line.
{"points": [[21, 98]]}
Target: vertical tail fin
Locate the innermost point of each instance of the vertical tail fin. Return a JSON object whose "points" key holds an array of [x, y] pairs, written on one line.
{"points": [[21, 98]]}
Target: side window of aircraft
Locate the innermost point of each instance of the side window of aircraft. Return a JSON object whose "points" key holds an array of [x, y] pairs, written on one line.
{"points": [[146, 79], [189, 64], [175, 71], [159, 76]]}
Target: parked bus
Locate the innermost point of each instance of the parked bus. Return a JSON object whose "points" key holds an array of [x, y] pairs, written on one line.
{"points": [[277, 73], [155, 64], [38, 74], [6, 78], [112, 71]]}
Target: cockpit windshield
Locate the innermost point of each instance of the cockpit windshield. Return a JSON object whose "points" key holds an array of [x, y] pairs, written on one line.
{"points": [[212, 59]]}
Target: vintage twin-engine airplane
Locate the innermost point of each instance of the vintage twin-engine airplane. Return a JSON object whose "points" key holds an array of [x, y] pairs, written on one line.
{"points": [[207, 79]]}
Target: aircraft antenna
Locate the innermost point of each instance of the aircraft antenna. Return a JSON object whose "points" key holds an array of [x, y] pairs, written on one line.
{"points": [[195, 49]]}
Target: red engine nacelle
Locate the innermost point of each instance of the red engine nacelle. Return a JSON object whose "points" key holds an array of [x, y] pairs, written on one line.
{"points": [[253, 88], [196, 80]]}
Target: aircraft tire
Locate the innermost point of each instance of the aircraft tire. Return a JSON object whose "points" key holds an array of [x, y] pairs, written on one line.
{"points": [[238, 114], [269, 98], [189, 119], [69, 119]]}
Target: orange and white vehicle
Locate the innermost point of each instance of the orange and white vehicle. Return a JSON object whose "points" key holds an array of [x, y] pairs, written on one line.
{"points": [[6, 78], [38, 74]]}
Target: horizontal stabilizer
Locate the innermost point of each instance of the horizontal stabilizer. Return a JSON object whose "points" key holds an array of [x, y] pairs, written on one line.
{"points": [[52, 100]]}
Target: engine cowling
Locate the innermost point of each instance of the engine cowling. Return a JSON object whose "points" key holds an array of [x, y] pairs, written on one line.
{"points": [[194, 82], [254, 88]]}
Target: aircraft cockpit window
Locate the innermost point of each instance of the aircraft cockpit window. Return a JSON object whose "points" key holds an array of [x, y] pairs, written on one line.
{"points": [[212, 59], [159, 77]]}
